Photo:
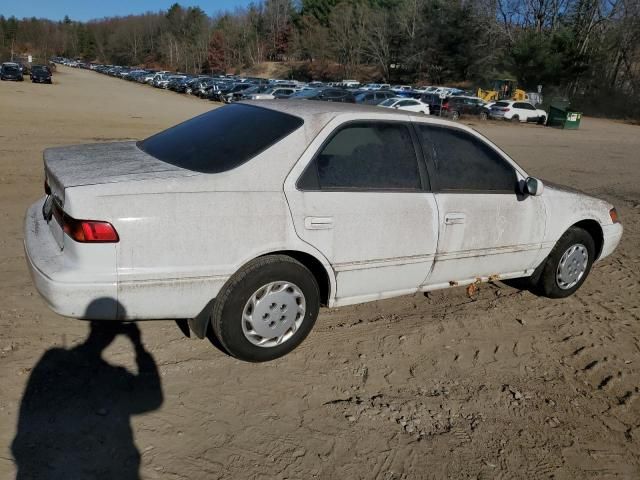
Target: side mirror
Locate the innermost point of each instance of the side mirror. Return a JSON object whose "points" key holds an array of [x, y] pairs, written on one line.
{"points": [[533, 186]]}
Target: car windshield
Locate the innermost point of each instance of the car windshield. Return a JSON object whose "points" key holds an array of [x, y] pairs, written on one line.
{"points": [[10, 68], [217, 141]]}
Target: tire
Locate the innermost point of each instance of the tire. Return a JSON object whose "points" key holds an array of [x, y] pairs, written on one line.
{"points": [[542, 120], [550, 284], [515, 119], [483, 115], [455, 115], [237, 301]]}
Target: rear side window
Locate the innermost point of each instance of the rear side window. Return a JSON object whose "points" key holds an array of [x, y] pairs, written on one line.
{"points": [[465, 163], [365, 156], [221, 139]]}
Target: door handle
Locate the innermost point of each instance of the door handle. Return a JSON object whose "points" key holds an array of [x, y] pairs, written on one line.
{"points": [[454, 218], [318, 223]]}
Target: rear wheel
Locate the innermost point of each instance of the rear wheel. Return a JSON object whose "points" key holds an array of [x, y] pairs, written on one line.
{"points": [[515, 119], [483, 115], [266, 309], [568, 264], [455, 115]]}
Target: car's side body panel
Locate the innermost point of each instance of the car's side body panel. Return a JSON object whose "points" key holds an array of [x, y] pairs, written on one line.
{"points": [[487, 235], [379, 243], [570, 207]]}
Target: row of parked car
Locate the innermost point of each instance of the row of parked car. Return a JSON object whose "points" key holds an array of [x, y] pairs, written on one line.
{"points": [[429, 100], [16, 72]]}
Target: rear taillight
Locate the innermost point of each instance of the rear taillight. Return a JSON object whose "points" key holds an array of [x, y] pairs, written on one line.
{"points": [[89, 231], [85, 231], [506, 109], [613, 213]]}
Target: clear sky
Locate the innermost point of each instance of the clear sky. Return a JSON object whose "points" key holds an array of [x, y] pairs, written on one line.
{"points": [[90, 9]]}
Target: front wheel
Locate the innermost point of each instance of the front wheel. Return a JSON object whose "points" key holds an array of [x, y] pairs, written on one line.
{"points": [[266, 309], [542, 120], [568, 264]]}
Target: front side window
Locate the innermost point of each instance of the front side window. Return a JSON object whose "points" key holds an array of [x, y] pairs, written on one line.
{"points": [[365, 156], [463, 162]]}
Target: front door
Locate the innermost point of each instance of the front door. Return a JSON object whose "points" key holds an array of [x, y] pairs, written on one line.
{"points": [[487, 228], [360, 195]]}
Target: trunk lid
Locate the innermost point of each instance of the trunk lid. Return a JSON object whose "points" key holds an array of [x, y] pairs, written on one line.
{"points": [[99, 163], [93, 164]]}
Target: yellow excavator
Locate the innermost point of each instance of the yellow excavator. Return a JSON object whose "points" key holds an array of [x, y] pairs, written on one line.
{"points": [[503, 89]]}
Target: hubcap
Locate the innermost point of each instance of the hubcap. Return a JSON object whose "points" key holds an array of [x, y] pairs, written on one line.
{"points": [[273, 314], [572, 266]]}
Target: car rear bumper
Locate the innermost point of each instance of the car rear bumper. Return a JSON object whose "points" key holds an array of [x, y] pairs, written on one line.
{"points": [[59, 279], [611, 235]]}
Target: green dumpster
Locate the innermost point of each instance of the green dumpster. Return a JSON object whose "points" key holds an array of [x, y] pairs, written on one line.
{"points": [[563, 117]]}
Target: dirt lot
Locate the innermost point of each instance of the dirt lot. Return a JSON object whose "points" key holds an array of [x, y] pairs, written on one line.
{"points": [[506, 385]]}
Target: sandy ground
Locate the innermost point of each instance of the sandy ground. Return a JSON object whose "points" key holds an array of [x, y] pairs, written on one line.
{"points": [[507, 385]]}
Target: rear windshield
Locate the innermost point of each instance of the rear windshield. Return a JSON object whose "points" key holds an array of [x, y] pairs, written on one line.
{"points": [[221, 139], [501, 104]]}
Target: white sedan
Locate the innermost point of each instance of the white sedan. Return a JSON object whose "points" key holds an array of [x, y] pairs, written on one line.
{"points": [[248, 218], [408, 104], [517, 112]]}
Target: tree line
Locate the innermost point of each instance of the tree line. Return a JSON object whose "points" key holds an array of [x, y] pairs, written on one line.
{"points": [[586, 49]]}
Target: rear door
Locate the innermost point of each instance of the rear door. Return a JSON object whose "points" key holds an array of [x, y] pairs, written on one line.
{"points": [[532, 113], [486, 226], [361, 196], [522, 111]]}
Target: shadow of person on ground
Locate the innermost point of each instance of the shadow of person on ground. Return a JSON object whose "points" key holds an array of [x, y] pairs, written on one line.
{"points": [[75, 413]]}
